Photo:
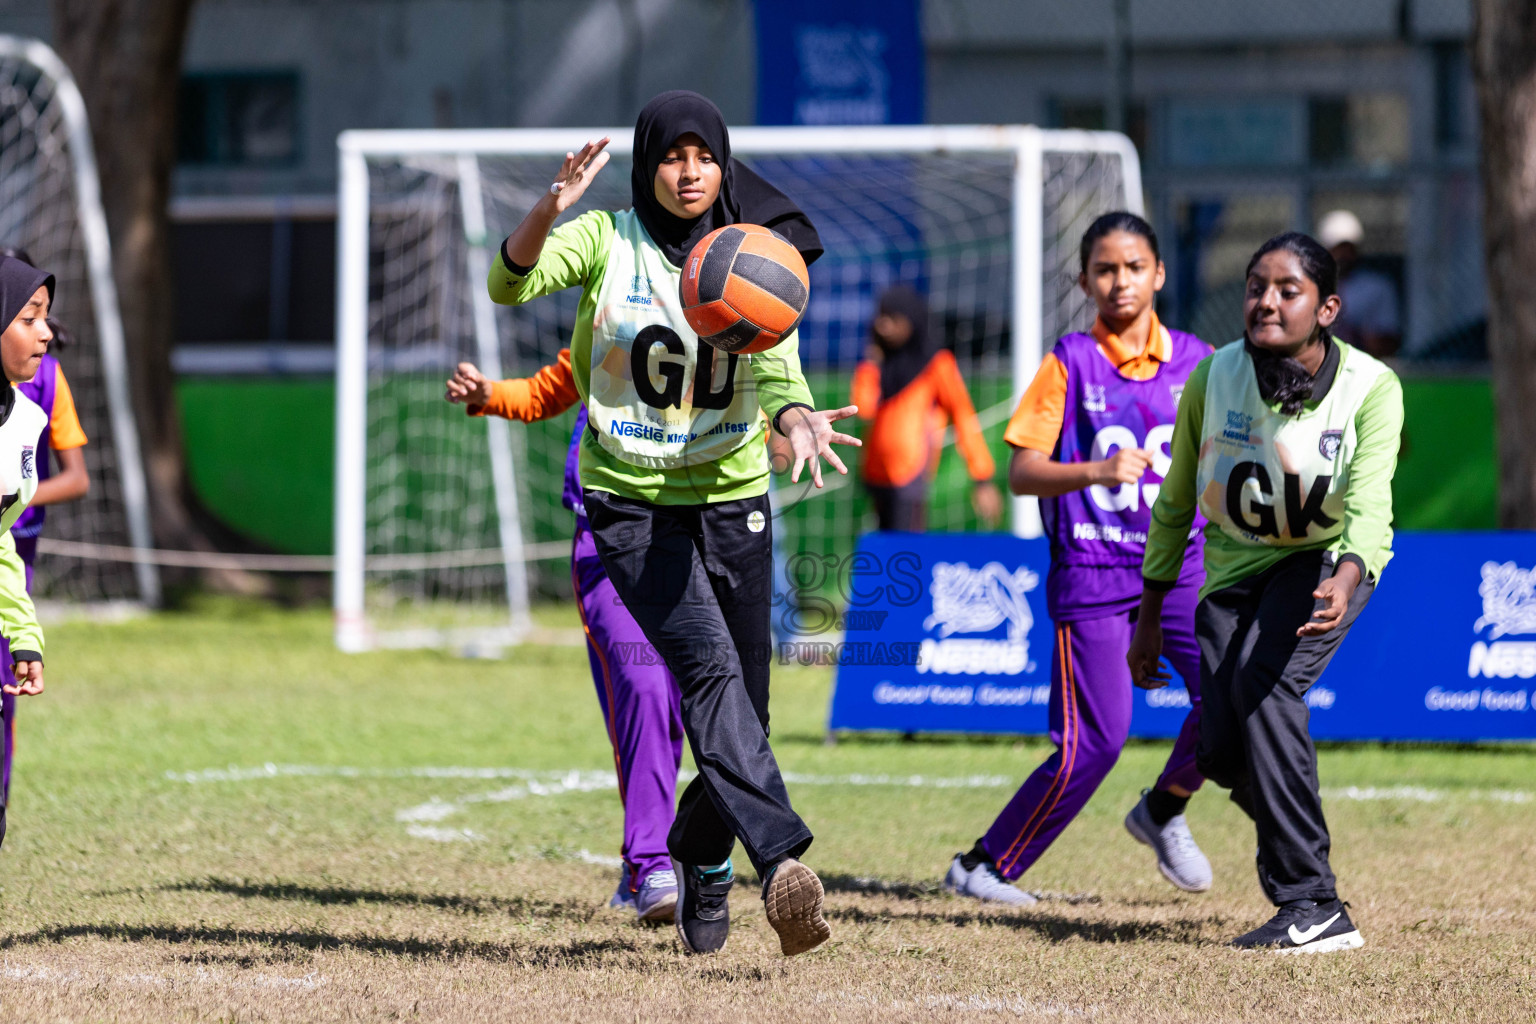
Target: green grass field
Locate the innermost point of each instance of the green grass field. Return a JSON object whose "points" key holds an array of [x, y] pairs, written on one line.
{"points": [[433, 842]]}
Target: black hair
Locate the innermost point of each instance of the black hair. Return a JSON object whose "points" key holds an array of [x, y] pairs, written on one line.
{"points": [[1316, 262], [1119, 220], [61, 337]]}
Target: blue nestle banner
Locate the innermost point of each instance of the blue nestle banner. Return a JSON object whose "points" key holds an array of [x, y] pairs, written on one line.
{"points": [[949, 633], [839, 62]]}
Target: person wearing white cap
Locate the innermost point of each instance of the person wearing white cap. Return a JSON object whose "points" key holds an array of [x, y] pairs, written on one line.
{"points": [[1369, 319]]}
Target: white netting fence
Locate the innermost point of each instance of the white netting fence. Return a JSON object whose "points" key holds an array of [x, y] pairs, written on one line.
{"points": [[40, 212], [943, 220]]}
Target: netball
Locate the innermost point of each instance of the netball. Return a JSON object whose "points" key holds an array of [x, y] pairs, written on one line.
{"points": [[744, 288]]}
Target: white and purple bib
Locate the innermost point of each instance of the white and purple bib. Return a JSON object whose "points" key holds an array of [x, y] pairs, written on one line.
{"points": [[1099, 534]]}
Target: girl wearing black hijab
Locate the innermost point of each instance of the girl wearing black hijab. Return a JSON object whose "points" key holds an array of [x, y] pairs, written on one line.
{"points": [[907, 384], [25, 296], [674, 472]]}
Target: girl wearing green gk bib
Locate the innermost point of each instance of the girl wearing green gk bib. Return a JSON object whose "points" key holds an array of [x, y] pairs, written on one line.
{"points": [[1287, 444], [674, 474]]}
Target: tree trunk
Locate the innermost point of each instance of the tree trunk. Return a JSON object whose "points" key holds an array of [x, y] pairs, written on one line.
{"points": [[1504, 58], [126, 57]]}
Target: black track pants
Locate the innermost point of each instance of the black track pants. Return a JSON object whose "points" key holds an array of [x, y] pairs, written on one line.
{"points": [[698, 579], [1255, 673]]}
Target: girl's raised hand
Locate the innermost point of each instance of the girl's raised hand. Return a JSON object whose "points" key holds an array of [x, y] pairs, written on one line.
{"points": [[469, 386], [811, 438], [577, 172]]}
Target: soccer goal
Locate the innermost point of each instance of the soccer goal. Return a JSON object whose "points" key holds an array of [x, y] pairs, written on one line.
{"points": [[447, 527], [50, 206]]}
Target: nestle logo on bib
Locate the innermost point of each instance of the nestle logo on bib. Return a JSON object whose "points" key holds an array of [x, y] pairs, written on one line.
{"points": [[639, 291], [1239, 424]]}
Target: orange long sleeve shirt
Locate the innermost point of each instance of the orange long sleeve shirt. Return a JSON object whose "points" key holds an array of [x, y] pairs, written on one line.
{"points": [[548, 393], [902, 440]]}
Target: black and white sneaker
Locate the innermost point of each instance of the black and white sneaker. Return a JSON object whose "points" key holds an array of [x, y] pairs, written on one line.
{"points": [[703, 911], [1304, 926]]}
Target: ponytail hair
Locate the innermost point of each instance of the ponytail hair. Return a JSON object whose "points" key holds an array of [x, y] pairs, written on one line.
{"points": [[1119, 220], [1316, 262]]}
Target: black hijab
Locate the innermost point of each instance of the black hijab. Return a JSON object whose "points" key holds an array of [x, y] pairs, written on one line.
{"points": [[900, 366], [745, 198], [18, 282]]}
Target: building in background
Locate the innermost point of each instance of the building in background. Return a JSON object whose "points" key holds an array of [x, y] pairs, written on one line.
{"points": [[1251, 118]]}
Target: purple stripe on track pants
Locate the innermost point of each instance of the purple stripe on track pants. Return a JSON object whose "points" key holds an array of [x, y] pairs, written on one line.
{"points": [[1090, 717], [642, 708]]}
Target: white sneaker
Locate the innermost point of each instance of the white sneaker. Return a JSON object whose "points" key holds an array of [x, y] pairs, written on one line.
{"points": [[984, 882], [1178, 855]]}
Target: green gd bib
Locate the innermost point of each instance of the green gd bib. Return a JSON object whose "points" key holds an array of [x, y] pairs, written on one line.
{"points": [[658, 397], [1266, 478]]}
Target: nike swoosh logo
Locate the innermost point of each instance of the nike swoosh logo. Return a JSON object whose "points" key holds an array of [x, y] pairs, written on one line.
{"points": [[1301, 938]]}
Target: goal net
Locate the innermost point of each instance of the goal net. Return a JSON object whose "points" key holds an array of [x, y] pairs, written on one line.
{"points": [[50, 207], [447, 527]]}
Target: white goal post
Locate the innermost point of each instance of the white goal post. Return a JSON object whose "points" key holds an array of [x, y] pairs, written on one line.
{"points": [[50, 205], [999, 242]]}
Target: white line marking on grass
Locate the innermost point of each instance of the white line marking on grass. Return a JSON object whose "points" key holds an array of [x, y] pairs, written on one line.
{"points": [[442, 835], [561, 779], [601, 859]]}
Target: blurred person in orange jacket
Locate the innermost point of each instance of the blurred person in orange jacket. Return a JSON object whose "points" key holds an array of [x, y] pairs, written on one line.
{"points": [[910, 387]]}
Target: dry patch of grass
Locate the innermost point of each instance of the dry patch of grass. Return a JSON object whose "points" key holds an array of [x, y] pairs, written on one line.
{"points": [[128, 894]]}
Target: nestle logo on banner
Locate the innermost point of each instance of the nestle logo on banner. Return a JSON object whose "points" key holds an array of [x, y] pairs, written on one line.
{"points": [[1509, 609], [967, 600]]}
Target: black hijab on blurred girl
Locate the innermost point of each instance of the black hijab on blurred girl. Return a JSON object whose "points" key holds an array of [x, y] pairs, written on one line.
{"points": [[19, 281], [899, 366], [61, 336], [745, 198]]}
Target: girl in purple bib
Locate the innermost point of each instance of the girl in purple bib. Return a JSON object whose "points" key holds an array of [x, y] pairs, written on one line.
{"points": [[1092, 439]]}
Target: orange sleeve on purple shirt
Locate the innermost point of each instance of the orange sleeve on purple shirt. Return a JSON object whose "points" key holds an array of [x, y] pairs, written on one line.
{"points": [[1036, 423], [64, 430], [955, 400], [546, 394], [866, 389]]}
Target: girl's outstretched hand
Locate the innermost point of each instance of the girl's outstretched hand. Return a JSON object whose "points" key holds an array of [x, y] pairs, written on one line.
{"points": [[1145, 655], [577, 172], [811, 438], [469, 386]]}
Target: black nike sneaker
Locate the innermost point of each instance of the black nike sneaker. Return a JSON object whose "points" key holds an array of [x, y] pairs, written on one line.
{"points": [[703, 913], [1304, 926]]}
